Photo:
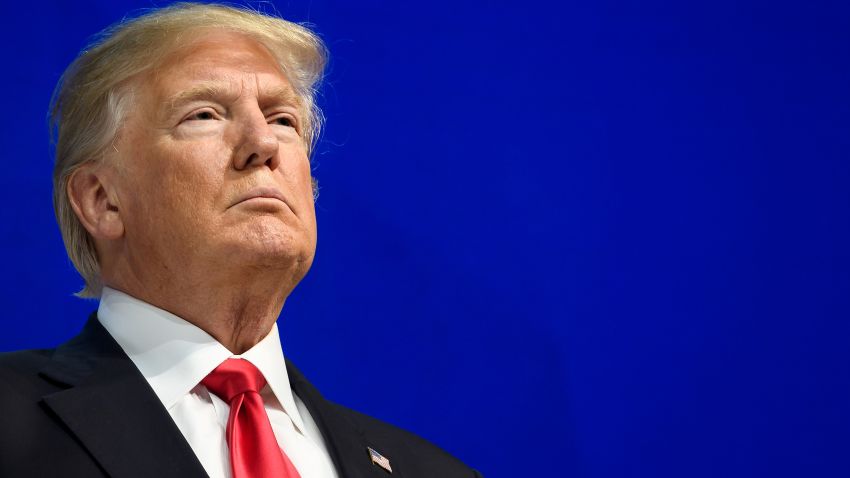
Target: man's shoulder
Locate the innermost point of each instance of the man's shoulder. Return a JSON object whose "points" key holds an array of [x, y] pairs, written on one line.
{"points": [[24, 359], [19, 376], [21, 390], [22, 365], [416, 455]]}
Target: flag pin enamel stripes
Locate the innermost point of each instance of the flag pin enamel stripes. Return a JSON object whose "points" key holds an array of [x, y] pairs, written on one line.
{"points": [[380, 460]]}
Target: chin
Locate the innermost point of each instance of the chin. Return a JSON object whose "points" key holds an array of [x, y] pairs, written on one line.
{"points": [[272, 244]]}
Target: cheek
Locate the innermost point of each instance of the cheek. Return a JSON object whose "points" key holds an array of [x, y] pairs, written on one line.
{"points": [[178, 183], [295, 166], [305, 174]]}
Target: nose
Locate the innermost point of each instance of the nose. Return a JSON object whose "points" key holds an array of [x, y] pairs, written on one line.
{"points": [[258, 145]]}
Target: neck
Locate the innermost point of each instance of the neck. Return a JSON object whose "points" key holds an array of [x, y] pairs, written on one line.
{"points": [[238, 313], [234, 298]]}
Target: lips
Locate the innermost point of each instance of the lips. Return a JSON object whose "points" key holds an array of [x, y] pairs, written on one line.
{"points": [[261, 192]]}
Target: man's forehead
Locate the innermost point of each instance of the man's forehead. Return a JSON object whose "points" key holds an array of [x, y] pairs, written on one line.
{"points": [[222, 62], [210, 68]]}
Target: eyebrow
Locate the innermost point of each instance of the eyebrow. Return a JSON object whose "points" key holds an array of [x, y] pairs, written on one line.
{"points": [[197, 92], [277, 95], [282, 95]]}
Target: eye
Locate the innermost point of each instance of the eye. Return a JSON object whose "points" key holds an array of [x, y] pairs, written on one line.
{"points": [[202, 115], [283, 121]]}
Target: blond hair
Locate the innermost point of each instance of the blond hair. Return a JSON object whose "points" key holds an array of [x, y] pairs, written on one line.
{"points": [[91, 98]]}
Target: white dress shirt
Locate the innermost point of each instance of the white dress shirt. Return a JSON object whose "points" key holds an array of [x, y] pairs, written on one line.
{"points": [[174, 356]]}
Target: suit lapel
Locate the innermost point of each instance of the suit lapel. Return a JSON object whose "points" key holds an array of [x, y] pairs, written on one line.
{"points": [[112, 410], [346, 442]]}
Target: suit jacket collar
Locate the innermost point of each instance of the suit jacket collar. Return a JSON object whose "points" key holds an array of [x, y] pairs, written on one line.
{"points": [[109, 406], [346, 441], [112, 410]]}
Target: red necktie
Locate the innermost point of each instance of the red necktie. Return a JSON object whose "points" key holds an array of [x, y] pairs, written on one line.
{"points": [[254, 452]]}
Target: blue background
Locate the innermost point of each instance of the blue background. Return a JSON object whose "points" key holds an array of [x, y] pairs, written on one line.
{"points": [[593, 239]]}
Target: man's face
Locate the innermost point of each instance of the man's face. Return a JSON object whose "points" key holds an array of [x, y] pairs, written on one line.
{"points": [[212, 168]]}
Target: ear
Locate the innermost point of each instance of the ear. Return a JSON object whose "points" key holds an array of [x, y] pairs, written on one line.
{"points": [[91, 193]]}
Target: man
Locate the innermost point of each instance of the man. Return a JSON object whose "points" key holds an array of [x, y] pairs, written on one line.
{"points": [[184, 195]]}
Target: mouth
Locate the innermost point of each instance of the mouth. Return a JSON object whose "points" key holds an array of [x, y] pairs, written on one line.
{"points": [[264, 194]]}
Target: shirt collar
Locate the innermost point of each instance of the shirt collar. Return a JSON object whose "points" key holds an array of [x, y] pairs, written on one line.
{"points": [[174, 355]]}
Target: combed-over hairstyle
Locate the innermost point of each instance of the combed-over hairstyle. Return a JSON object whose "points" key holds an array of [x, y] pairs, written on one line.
{"points": [[96, 91]]}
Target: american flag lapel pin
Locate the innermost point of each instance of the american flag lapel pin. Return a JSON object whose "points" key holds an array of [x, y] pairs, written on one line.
{"points": [[380, 460]]}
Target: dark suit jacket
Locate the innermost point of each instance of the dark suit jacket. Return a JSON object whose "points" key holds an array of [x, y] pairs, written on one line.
{"points": [[84, 409]]}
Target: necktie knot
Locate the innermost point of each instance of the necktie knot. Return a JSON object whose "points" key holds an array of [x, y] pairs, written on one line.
{"points": [[254, 451], [233, 378]]}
